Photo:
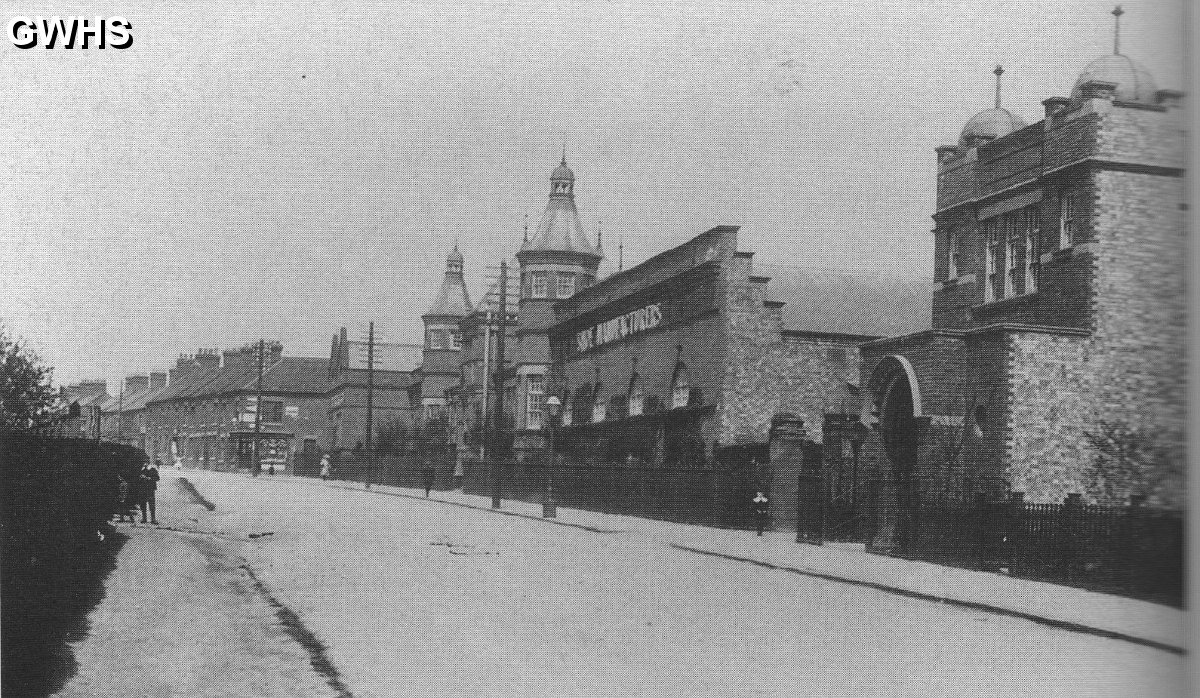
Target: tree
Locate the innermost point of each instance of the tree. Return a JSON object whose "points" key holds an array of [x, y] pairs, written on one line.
{"points": [[27, 401], [1134, 461], [390, 436]]}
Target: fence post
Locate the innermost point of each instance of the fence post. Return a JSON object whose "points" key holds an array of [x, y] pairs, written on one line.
{"points": [[1011, 536], [981, 530], [1071, 520]]}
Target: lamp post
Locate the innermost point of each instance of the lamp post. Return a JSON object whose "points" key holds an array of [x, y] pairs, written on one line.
{"points": [[549, 507]]}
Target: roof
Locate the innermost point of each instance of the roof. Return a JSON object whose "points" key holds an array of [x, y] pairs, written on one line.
{"points": [[559, 229], [451, 299], [990, 124], [293, 374], [833, 302], [388, 356], [1134, 83], [290, 374]]}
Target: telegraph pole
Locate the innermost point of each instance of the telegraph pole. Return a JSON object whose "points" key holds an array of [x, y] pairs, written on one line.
{"points": [[370, 398], [120, 409], [257, 466], [497, 451]]}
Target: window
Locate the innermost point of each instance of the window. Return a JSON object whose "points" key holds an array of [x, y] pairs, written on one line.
{"points": [[437, 339], [272, 411], [995, 261], [681, 388], [1033, 249], [953, 252], [1014, 247], [455, 340], [637, 397], [566, 285], [537, 284], [535, 396], [599, 405], [1068, 225]]}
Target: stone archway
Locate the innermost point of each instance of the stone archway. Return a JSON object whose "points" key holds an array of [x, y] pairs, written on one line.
{"points": [[897, 398], [896, 395]]}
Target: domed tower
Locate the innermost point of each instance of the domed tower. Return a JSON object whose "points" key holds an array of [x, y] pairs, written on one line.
{"points": [[443, 339], [990, 124], [556, 262]]}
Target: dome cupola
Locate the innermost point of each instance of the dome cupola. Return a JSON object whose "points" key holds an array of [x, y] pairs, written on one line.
{"points": [[1130, 81], [562, 179], [990, 124]]}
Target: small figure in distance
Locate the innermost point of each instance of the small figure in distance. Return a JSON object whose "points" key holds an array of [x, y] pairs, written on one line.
{"points": [[761, 511], [430, 474], [147, 485], [325, 467]]}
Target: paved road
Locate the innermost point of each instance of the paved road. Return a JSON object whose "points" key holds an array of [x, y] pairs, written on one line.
{"points": [[423, 598], [440, 599]]}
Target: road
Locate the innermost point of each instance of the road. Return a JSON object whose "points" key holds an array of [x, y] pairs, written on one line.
{"points": [[423, 598]]}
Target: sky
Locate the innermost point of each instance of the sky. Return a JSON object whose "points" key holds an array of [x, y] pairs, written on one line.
{"points": [[282, 169]]}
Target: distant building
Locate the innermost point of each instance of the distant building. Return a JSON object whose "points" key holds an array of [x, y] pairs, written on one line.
{"points": [[123, 417], [87, 396], [206, 415], [391, 385]]}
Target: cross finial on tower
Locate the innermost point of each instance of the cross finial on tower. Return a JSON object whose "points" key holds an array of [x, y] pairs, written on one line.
{"points": [[564, 154], [998, 72], [599, 235], [1117, 12], [620, 253], [526, 227]]}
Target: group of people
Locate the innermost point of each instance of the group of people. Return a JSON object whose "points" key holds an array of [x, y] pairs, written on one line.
{"points": [[139, 494]]}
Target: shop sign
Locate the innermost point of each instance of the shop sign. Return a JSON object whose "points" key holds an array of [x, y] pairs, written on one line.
{"points": [[619, 327]]}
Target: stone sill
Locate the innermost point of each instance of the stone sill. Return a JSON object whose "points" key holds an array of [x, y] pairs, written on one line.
{"points": [[963, 280], [1004, 303]]}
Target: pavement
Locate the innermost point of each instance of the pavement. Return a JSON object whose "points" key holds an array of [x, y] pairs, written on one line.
{"points": [[1068, 608]]}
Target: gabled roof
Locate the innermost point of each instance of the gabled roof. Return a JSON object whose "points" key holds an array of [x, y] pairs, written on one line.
{"points": [[823, 301]]}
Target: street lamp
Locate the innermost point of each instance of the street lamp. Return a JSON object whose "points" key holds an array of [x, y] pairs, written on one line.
{"points": [[549, 508]]}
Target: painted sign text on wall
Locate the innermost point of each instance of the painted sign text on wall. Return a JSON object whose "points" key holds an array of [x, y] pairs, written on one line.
{"points": [[619, 327]]}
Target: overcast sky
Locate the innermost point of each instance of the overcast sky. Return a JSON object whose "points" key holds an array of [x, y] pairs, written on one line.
{"points": [[282, 169]]}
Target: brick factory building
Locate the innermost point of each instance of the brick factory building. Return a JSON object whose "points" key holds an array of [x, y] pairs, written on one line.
{"points": [[686, 357], [1059, 314]]}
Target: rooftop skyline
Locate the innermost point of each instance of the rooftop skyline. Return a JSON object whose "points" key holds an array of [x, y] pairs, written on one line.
{"points": [[285, 169]]}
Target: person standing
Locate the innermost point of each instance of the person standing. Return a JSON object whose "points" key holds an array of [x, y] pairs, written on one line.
{"points": [[147, 486], [430, 474], [124, 500], [761, 511], [325, 467]]}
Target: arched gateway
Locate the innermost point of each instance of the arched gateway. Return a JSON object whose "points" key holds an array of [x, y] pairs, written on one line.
{"points": [[897, 401]]}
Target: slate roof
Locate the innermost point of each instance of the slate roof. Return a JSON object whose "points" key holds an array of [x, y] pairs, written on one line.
{"points": [[290, 374], [293, 374], [819, 300]]}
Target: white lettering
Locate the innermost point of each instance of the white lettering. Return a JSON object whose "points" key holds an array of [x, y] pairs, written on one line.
{"points": [[619, 327]]}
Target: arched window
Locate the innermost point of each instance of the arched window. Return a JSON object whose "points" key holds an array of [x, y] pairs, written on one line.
{"points": [[599, 405], [637, 396], [681, 387]]}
